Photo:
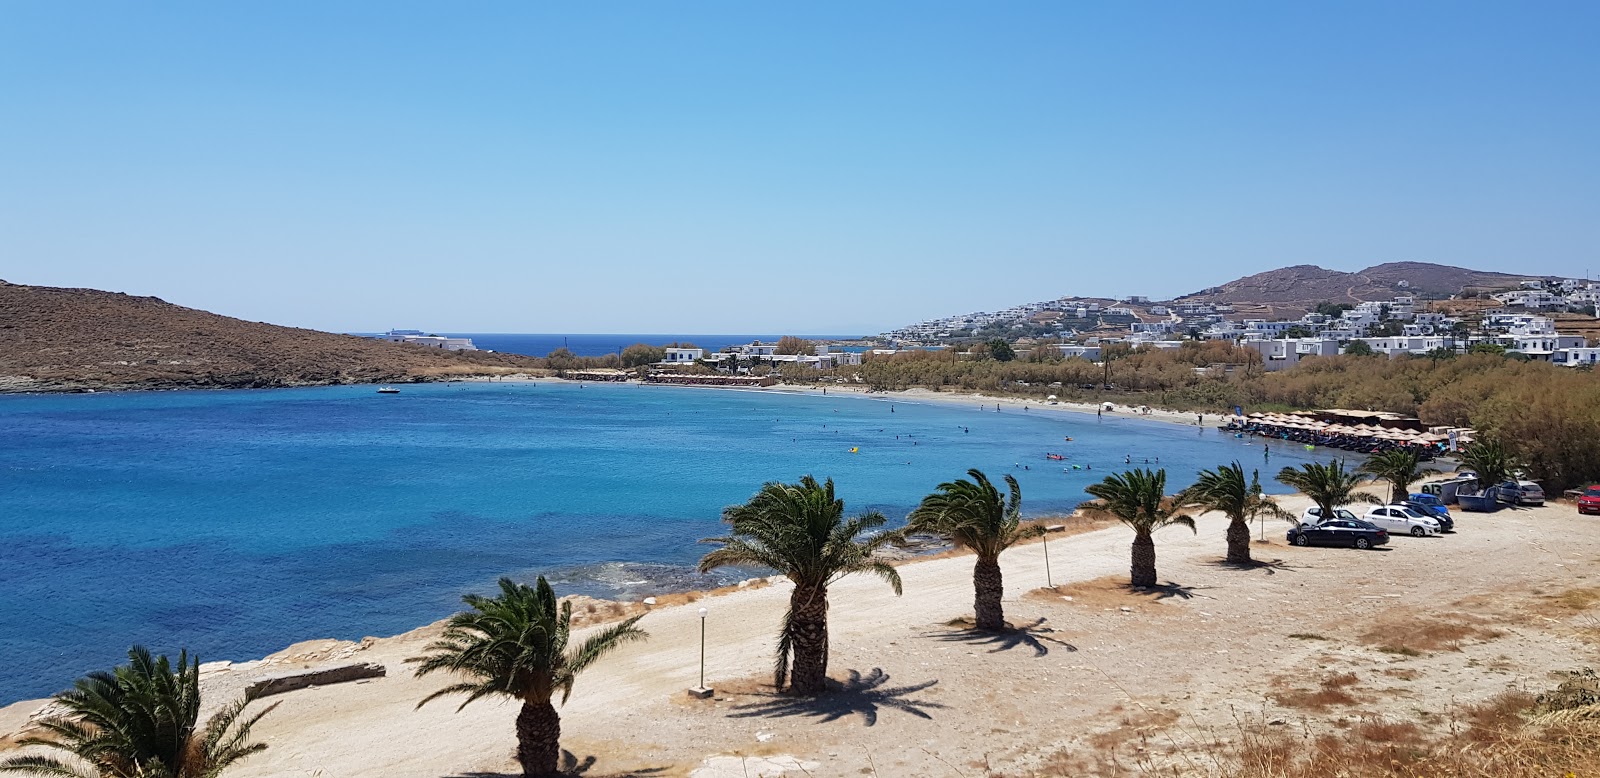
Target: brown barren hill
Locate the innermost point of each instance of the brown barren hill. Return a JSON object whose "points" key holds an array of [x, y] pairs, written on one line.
{"points": [[1303, 286], [54, 339]]}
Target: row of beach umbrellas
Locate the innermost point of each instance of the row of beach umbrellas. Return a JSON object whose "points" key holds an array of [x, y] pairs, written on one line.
{"points": [[1375, 431]]}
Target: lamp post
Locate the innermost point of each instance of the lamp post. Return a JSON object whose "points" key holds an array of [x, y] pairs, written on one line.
{"points": [[1046, 538], [702, 691]]}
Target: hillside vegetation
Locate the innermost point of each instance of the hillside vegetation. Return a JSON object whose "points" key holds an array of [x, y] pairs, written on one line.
{"points": [[1304, 286], [54, 339]]}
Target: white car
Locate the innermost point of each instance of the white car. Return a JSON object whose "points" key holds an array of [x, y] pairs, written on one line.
{"points": [[1399, 519], [1313, 515]]}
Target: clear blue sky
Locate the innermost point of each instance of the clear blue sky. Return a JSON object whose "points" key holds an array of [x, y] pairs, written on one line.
{"points": [[777, 166]]}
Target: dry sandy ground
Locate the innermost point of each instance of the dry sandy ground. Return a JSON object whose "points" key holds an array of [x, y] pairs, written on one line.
{"points": [[1422, 627]]}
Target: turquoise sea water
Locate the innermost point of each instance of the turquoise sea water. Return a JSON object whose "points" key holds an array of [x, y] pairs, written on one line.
{"points": [[234, 523]]}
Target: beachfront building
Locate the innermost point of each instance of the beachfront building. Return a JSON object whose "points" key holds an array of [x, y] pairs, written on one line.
{"points": [[416, 338], [740, 359], [683, 356]]}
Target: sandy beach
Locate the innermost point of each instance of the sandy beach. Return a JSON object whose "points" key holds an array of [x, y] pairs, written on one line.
{"points": [[1104, 676]]}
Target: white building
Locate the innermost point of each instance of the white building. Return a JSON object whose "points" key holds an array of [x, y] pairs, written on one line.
{"points": [[1284, 353], [1575, 357], [1542, 347], [1401, 344], [1530, 298], [416, 338], [683, 356], [1091, 353]]}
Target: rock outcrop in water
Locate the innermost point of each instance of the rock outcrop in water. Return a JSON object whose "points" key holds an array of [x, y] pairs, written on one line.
{"points": [[54, 339]]}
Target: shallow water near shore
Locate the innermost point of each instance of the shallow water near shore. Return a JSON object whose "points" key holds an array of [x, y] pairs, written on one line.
{"points": [[234, 523]]}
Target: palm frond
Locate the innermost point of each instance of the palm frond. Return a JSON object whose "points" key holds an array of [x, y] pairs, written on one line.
{"points": [[800, 531], [35, 764], [598, 645], [515, 645]]}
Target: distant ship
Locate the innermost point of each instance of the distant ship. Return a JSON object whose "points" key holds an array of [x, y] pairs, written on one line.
{"points": [[388, 390]]}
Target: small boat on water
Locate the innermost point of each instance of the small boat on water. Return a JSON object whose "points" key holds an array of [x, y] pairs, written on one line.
{"points": [[388, 390]]}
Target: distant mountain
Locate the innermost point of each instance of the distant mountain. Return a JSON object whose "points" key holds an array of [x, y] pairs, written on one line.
{"points": [[54, 339], [1307, 285]]}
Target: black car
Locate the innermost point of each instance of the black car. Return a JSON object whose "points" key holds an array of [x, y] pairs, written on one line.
{"points": [[1447, 523], [1339, 532]]}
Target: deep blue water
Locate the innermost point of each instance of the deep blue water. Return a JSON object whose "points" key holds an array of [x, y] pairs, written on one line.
{"points": [[233, 523]]}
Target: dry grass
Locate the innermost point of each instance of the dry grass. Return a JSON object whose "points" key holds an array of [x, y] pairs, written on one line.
{"points": [[1570, 601], [1139, 725], [1488, 740], [1415, 635], [1110, 591], [1330, 691]]}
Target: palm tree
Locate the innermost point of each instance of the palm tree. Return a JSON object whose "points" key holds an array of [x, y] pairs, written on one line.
{"points": [[973, 514], [139, 721], [800, 530], [1489, 459], [1329, 485], [1225, 490], [1137, 498], [1400, 467], [515, 645]]}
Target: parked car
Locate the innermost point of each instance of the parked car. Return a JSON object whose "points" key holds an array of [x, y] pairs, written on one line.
{"points": [[1313, 515], [1398, 518], [1437, 513], [1431, 500], [1339, 532], [1589, 500], [1521, 493]]}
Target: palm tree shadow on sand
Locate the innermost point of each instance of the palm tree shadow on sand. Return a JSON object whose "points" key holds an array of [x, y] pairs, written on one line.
{"points": [[571, 765], [1170, 590], [1271, 567], [1034, 636], [859, 694]]}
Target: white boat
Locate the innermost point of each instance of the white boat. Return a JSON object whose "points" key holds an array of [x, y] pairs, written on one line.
{"points": [[388, 390]]}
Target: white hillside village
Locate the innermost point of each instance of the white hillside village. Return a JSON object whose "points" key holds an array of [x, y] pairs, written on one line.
{"points": [[1521, 322]]}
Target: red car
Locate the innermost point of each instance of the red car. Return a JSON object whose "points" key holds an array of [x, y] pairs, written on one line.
{"points": [[1589, 501]]}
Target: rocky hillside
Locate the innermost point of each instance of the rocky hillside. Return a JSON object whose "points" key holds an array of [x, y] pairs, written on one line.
{"points": [[1306, 285], [55, 339]]}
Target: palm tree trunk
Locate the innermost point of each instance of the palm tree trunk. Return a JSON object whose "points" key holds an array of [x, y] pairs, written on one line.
{"points": [[1238, 542], [1397, 492], [1143, 571], [987, 588], [809, 639], [538, 739]]}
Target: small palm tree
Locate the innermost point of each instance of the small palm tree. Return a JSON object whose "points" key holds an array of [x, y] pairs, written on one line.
{"points": [[1137, 498], [973, 514], [1226, 491], [1490, 460], [515, 645], [800, 531], [1400, 467], [1328, 485], [139, 721]]}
